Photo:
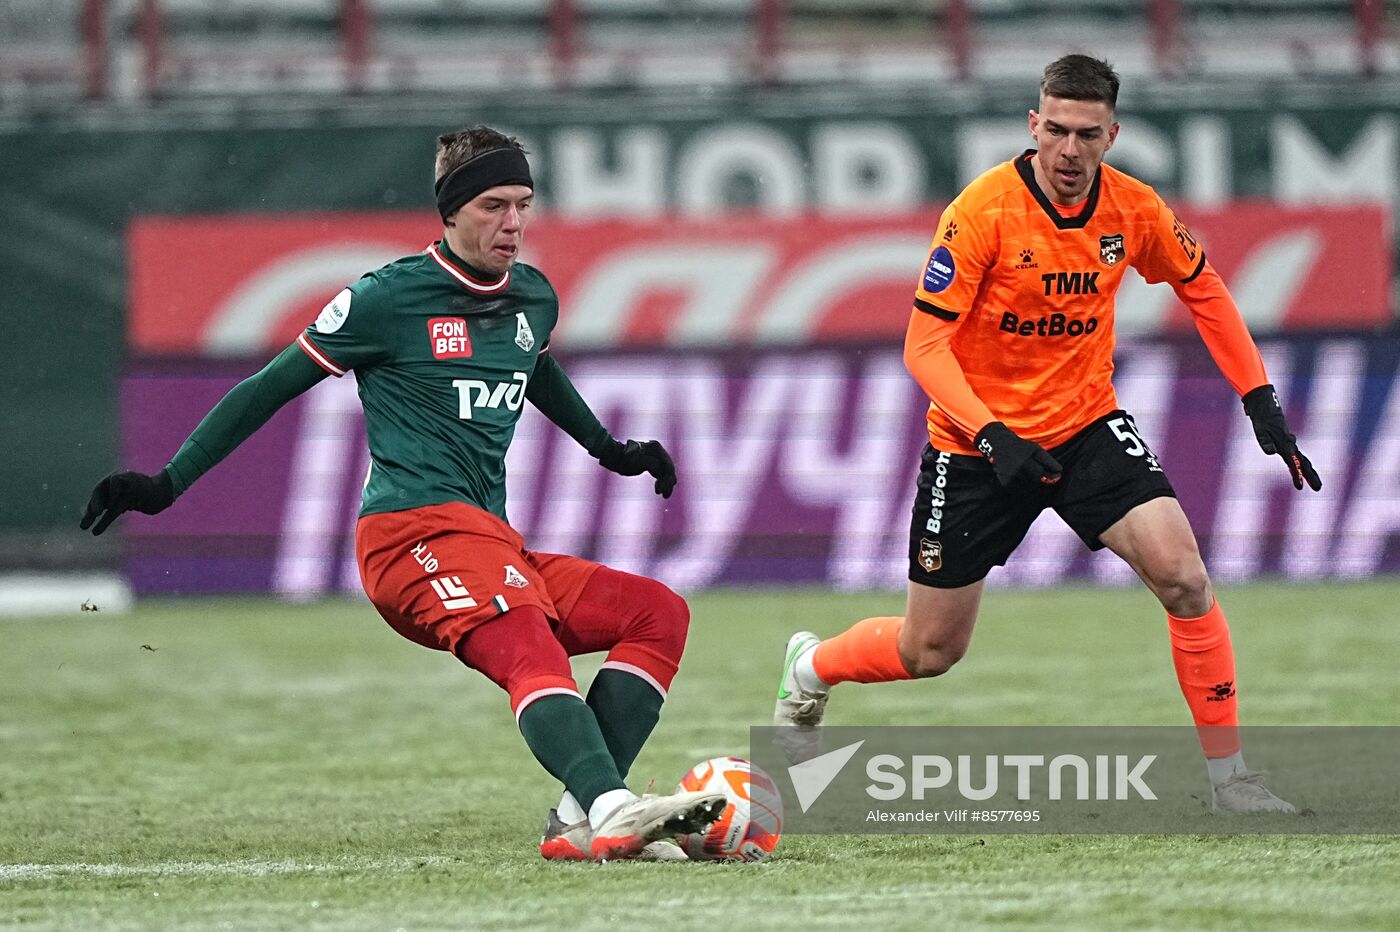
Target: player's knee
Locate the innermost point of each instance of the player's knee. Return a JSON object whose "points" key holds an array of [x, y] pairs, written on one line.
{"points": [[930, 659], [667, 622], [1184, 588], [675, 613]]}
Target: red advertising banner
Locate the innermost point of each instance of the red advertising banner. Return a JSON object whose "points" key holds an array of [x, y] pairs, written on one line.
{"points": [[241, 284]]}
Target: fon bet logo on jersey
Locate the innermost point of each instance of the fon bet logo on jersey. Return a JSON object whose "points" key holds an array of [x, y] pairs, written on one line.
{"points": [[449, 338]]}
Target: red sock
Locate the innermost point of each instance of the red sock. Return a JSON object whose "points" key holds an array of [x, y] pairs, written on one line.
{"points": [[1205, 668], [867, 652]]}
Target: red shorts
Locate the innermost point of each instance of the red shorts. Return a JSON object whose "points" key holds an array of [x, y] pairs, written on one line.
{"points": [[438, 571]]}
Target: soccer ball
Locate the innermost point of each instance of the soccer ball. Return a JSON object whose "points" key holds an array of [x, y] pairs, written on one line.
{"points": [[752, 823]]}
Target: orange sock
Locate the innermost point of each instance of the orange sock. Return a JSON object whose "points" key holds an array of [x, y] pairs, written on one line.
{"points": [[866, 652], [1205, 668]]}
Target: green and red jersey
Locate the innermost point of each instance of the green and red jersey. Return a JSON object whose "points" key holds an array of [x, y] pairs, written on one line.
{"points": [[442, 356]]}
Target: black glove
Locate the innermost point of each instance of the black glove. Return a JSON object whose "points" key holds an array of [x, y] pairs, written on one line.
{"points": [[127, 491], [1015, 459], [633, 459], [1271, 430]]}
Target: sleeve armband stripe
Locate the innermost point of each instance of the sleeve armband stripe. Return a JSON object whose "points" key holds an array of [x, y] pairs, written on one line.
{"points": [[1200, 267], [942, 314], [318, 357]]}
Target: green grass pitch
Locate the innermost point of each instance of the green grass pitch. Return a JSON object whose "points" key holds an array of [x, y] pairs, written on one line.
{"points": [[248, 764]]}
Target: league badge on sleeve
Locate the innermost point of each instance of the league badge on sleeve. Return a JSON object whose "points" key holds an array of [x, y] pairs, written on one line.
{"points": [[1111, 249], [334, 314], [939, 272]]}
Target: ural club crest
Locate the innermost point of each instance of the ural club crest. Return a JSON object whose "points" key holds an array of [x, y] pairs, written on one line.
{"points": [[1111, 249], [930, 554], [525, 337]]}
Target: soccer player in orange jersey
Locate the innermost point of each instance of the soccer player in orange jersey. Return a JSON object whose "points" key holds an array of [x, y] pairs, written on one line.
{"points": [[1011, 336]]}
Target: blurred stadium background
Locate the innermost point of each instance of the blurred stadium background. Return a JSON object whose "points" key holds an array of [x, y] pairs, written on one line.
{"points": [[737, 196]]}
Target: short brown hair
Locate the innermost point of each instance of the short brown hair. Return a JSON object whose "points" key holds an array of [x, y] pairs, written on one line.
{"points": [[455, 148], [1080, 77]]}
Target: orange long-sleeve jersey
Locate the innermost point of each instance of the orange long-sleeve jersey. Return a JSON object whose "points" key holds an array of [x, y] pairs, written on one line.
{"points": [[1013, 319]]}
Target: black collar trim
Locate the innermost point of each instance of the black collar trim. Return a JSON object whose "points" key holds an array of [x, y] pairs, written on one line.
{"points": [[1026, 170]]}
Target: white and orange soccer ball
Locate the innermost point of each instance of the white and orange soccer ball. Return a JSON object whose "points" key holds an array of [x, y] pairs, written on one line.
{"points": [[752, 823]]}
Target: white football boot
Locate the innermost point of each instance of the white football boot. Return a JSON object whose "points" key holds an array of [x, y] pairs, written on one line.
{"points": [[1245, 791], [798, 712], [562, 842], [634, 825]]}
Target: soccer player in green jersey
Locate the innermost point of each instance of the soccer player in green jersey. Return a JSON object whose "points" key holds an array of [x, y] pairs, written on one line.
{"points": [[446, 347]]}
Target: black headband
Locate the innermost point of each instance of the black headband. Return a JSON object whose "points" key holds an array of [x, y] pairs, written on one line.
{"points": [[477, 174]]}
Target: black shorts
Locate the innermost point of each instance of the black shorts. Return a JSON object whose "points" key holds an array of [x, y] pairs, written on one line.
{"points": [[965, 523]]}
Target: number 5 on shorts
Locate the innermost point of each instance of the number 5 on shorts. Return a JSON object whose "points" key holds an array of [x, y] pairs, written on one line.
{"points": [[1125, 430]]}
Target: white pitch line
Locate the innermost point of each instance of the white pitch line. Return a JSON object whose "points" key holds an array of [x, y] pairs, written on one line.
{"points": [[211, 868]]}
